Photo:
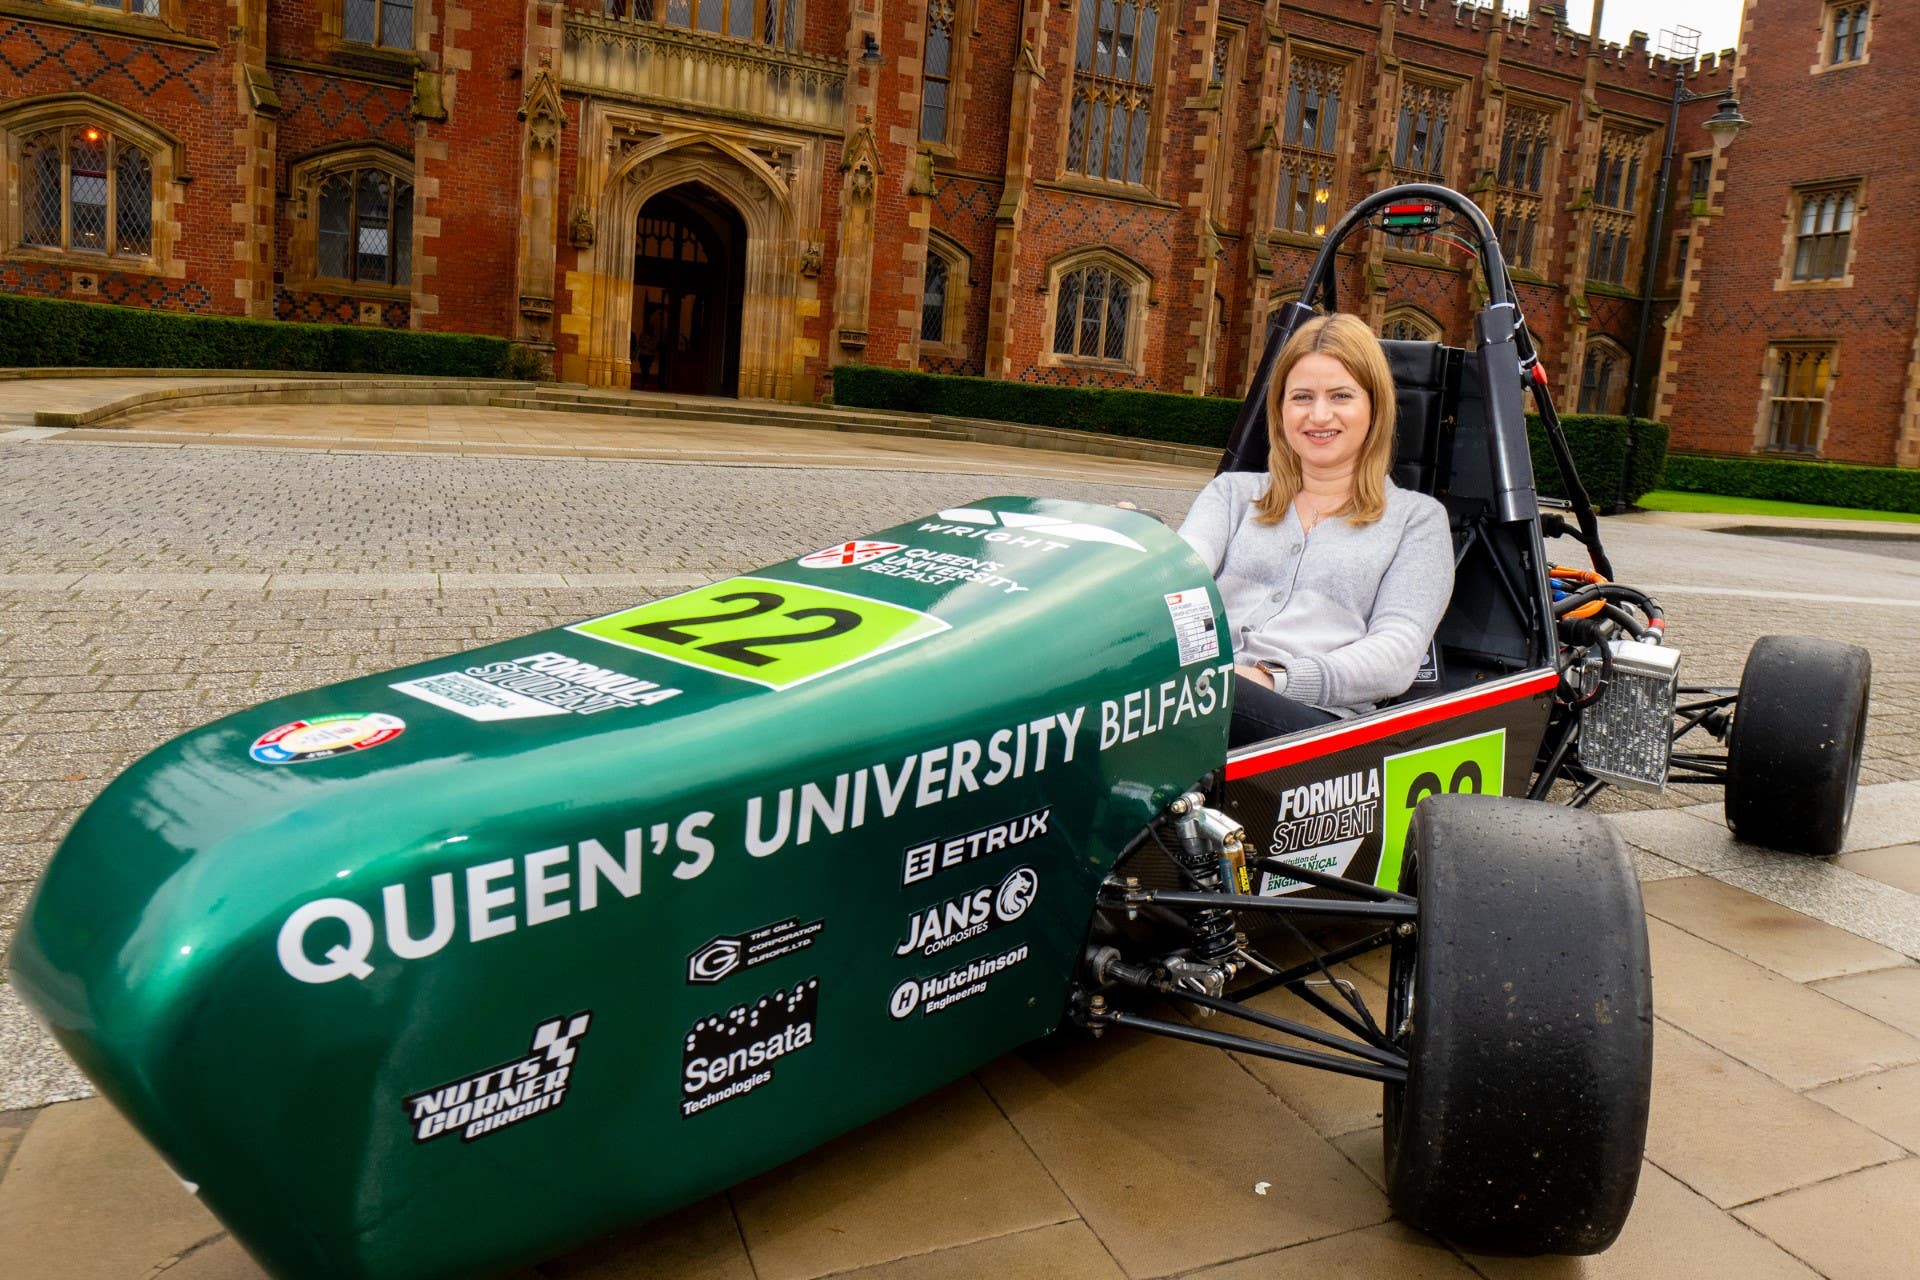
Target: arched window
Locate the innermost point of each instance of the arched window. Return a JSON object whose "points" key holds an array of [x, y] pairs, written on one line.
{"points": [[1097, 313], [84, 189], [1409, 325], [771, 22], [933, 301], [1603, 378], [365, 227]]}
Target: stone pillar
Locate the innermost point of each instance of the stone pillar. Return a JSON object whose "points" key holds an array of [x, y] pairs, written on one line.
{"points": [[544, 115], [256, 142], [1204, 101], [1021, 124]]}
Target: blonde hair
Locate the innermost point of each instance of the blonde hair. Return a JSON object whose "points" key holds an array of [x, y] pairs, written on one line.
{"points": [[1348, 340]]}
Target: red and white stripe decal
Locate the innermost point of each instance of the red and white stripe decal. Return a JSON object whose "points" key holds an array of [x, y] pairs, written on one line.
{"points": [[1373, 727]]}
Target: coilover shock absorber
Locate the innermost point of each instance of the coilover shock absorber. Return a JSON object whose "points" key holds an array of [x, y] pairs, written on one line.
{"points": [[1213, 850]]}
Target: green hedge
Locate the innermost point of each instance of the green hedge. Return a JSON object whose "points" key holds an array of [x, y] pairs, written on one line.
{"points": [[1143, 415], [1615, 469], [50, 332], [1616, 464], [1824, 484]]}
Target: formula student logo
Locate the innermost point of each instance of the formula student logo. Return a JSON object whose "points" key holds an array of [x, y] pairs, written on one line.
{"points": [[503, 1096], [943, 991], [538, 684], [970, 915], [731, 1054], [1320, 826]]}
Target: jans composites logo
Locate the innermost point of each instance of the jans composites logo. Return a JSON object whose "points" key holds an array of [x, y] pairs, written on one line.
{"points": [[324, 736]]}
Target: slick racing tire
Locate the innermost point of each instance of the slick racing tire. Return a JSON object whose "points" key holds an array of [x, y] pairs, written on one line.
{"points": [[1524, 1001], [1793, 755]]}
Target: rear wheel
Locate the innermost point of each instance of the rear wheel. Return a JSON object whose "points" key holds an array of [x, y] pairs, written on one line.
{"points": [[1793, 754], [1524, 1000]]}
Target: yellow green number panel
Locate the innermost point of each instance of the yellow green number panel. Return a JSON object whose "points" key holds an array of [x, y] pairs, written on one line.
{"points": [[776, 634], [1477, 765]]}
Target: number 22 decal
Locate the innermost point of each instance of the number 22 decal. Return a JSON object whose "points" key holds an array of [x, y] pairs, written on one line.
{"points": [[672, 630], [764, 631]]}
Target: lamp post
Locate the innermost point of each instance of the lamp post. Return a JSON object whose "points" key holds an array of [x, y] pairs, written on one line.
{"points": [[1724, 124]]}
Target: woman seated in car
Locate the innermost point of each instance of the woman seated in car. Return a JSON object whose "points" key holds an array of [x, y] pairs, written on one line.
{"points": [[1333, 577]]}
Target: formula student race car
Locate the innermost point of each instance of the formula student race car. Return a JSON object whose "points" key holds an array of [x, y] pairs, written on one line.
{"points": [[592, 923]]}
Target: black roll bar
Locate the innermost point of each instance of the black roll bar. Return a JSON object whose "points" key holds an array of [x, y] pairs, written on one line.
{"points": [[1508, 362]]}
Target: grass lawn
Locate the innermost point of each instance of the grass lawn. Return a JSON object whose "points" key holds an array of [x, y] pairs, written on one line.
{"points": [[1672, 500]]}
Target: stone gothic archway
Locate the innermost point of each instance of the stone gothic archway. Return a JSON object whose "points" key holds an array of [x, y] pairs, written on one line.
{"points": [[749, 182]]}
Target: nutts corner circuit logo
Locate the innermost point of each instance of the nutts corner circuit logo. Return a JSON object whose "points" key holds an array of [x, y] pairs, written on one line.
{"points": [[960, 919], [503, 1096], [731, 1054]]}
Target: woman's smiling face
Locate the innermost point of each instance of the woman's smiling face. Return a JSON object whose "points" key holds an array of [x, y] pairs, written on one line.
{"points": [[1325, 414]]}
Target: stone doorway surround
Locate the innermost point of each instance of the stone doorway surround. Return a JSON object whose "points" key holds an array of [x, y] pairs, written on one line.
{"points": [[771, 177]]}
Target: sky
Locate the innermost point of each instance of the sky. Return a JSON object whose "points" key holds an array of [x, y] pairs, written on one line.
{"points": [[1718, 21]]}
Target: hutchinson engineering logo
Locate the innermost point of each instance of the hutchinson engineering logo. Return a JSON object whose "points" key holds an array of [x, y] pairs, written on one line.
{"points": [[503, 1096], [942, 991], [731, 1054]]}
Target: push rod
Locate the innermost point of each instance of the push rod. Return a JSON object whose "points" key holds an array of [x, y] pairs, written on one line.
{"points": [[1247, 902], [1247, 1044], [1271, 1021]]}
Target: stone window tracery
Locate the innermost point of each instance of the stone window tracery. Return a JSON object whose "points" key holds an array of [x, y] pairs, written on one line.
{"points": [[1823, 233], [364, 227], [1097, 311], [86, 190], [1115, 55], [1420, 141], [770, 22], [1616, 189], [1846, 33], [936, 84], [1520, 183], [1799, 387], [1603, 378], [1409, 325], [1310, 146]]}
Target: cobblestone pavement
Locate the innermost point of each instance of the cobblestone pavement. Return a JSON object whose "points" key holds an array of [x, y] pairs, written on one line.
{"points": [[145, 590]]}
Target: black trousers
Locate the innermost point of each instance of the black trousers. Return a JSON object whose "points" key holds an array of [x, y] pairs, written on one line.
{"points": [[1259, 713]]}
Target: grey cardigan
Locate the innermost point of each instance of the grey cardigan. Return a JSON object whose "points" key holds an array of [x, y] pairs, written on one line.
{"points": [[1349, 609]]}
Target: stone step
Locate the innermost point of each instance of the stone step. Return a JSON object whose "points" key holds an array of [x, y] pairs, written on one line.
{"points": [[915, 427], [716, 409]]}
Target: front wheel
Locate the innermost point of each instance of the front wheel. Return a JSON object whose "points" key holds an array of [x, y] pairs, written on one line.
{"points": [[1793, 754], [1524, 1001]]}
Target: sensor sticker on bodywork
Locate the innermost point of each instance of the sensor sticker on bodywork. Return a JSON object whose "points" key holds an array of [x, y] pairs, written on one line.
{"points": [[770, 633]]}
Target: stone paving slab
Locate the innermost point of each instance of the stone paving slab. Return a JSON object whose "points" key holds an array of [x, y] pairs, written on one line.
{"points": [[387, 570]]}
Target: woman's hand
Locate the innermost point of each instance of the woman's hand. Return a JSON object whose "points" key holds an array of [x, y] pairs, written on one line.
{"points": [[1255, 674]]}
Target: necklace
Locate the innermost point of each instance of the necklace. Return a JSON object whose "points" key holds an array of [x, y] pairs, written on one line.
{"points": [[1310, 513]]}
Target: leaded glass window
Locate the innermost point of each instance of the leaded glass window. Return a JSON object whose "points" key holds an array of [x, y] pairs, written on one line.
{"points": [[87, 191], [1409, 326], [1847, 39], [1520, 181], [771, 22], [364, 228], [1420, 144], [1603, 378], [1823, 234], [1114, 56], [1094, 310], [140, 8], [1616, 191], [933, 301], [936, 84], [1801, 380], [1309, 150], [387, 23]]}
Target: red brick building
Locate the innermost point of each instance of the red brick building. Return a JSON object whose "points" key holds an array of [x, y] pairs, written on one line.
{"points": [[734, 196], [1797, 327]]}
